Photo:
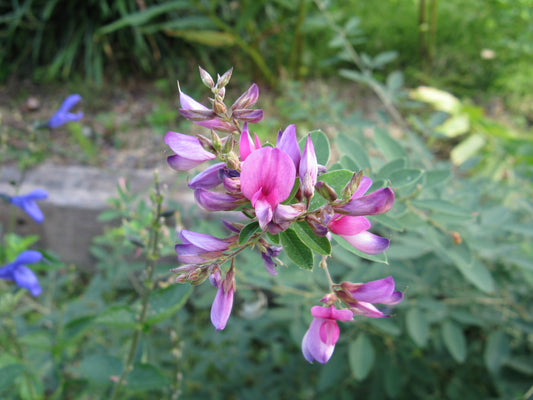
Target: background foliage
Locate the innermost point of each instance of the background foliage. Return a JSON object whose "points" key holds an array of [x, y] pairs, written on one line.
{"points": [[460, 228]]}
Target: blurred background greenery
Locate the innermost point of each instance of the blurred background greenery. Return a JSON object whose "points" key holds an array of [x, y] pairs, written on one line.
{"points": [[461, 166]]}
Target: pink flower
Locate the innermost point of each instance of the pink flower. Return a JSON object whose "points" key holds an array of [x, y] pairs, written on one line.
{"points": [[319, 341], [267, 178], [223, 302], [246, 145], [354, 231], [189, 151], [360, 296], [308, 169]]}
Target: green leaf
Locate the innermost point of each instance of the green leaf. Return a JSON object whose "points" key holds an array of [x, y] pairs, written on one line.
{"points": [[297, 251], [497, 351], [206, 37], [389, 168], [455, 340], [388, 221], [405, 177], [117, 317], [146, 377], [380, 258], [164, 303], [390, 148], [476, 273], [320, 244], [442, 206], [321, 145], [436, 177], [247, 232], [361, 356], [9, 373], [417, 326], [77, 326], [354, 150], [99, 368]]}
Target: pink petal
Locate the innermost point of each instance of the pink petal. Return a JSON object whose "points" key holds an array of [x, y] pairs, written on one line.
{"points": [[288, 142], [377, 202], [378, 291], [347, 225]]}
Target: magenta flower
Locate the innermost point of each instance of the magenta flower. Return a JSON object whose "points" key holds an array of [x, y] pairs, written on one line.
{"points": [[378, 202], [63, 114], [201, 115], [18, 272], [308, 169], [288, 143], [27, 202], [223, 302], [189, 151], [267, 178], [319, 341], [198, 247], [360, 296], [246, 145]]}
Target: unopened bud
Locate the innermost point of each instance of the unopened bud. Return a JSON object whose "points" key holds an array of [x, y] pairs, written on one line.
{"points": [[206, 143], [221, 93], [232, 161], [199, 275], [247, 99], [229, 144], [219, 107], [215, 141], [224, 79], [352, 185], [206, 78], [326, 191]]}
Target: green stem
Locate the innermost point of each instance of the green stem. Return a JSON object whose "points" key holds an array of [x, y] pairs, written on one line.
{"points": [[151, 259]]}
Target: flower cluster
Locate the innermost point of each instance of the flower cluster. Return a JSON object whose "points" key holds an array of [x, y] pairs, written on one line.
{"points": [[273, 187]]}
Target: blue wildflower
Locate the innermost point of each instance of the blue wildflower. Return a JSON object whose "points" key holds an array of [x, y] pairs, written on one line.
{"points": [[18, 272], [28, 204], [63, 115]]}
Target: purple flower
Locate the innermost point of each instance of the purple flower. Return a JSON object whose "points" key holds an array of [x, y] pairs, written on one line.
{"points": [[18, 272], [199, 247], [268, 257], [221, 308], [319, 341], [215, 201], [360, 296], [208, 178], [189, 151], [308, 169], [378, 202], [63, 114], [288, 143], [28, 204], [201, 115], [267, 178]]}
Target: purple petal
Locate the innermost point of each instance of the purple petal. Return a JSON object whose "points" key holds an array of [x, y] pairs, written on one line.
{"points": [[63, 115], [288, 143], [377, 202], [209, 178], [223, 303], [25, 278], [263, 212], [6, 272], [313, 348], [378, 291], [214, 201], [203, 241], [269, 264], [253, 116], [28, 257], [247, 99], [367, 242], [366, 310], [364, 185], [287, 212], [191, 254]]}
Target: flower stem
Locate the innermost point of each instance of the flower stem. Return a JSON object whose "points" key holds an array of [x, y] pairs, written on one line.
{"points": [[151, 259]]}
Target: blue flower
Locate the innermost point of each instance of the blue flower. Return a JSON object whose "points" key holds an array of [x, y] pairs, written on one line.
{"points": [[62, 116], [28, 204], [18, 272]]}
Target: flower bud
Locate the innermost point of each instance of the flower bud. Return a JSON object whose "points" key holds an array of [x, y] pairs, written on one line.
{"points": [[326, 191], [223, 80], [206, 143], [219, 107], [352, 186], [206, 78], [215, 141], [247, 99], [199, 275]]}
